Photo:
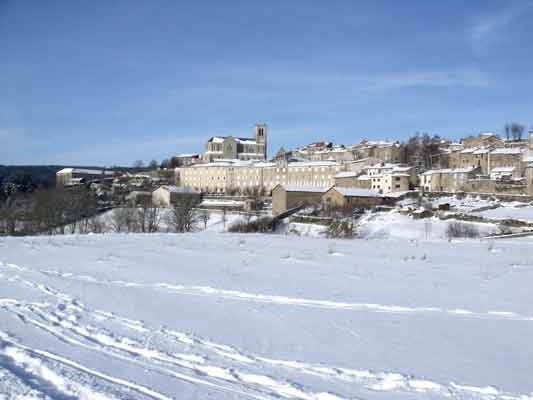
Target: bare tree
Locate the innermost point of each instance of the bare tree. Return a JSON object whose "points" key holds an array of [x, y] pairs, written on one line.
{"points": [[517, 130], [421, 150], [165, 164], [10, 215], [204, 217], [153, 164], [514, 131], [48, 211], [148, 217], [183, 217], [124, 219], [138, 164], [224, 217], [95, 224]]}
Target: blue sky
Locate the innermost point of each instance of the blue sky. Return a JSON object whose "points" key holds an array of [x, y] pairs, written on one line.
{"points": [[110, 82]]}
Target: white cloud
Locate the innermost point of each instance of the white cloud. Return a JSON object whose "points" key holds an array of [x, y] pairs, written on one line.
{"points": [[487, 28], [384, 83], [276, 79]]}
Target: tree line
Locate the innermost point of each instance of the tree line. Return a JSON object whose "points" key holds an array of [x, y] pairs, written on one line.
{"points": [[63, 211]]}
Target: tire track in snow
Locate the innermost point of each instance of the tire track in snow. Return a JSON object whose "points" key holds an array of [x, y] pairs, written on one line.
{"points": [[375, 381], [371, 380], [236, 295], [22, 353], [265, 385], [33, 373]]}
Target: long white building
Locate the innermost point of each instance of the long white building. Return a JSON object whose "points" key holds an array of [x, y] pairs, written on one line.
{"points": [[227, 175]]}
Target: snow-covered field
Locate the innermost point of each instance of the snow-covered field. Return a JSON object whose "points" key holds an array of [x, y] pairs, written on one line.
{"points": [[223, 316], [510, 211]]}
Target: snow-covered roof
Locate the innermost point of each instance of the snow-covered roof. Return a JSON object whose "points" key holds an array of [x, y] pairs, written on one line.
{"points": [[179, 189], [398, 168], [480, 151], [508, 150], [356, 192], [220, 139], [346, 174], [394, 167], [313, 163], [399, 173], [449, 171], [310, 189], [503, 169], [191, 155], [85, 171]]}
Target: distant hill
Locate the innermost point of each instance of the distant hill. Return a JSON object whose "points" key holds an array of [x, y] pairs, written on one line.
{"points": [[29, 177]]}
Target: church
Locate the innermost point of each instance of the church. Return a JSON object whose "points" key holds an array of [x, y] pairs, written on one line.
{"points": [[235, 148]]}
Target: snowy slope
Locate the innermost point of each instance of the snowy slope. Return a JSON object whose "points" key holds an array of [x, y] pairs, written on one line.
{"points": [[225, 316], [523, 213]]}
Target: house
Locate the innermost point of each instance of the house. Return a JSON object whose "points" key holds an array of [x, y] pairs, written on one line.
{"points": [[235, 148], [75, 176], [502, 173], [236, 175], [507, 157], [137, 197], [183, 160], [386, 151], [447, 180], [347, 179], [166, 196], [343, 197], [484, 139], [285, 197]]}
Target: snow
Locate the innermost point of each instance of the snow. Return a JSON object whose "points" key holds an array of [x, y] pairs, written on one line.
{"points": [[227, 316], [310, 189], [179, 189], [465, 204], [221, 203], [356, 192], [85, 171], [508, 150], [503, 169], [346, 174], [522, 213], [386, 225], [449, 171]]}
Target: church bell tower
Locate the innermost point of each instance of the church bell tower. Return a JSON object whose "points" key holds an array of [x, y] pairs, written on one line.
{"points": [[261, 139]]}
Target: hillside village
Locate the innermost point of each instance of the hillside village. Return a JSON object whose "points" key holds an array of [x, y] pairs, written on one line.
{"points": [[235, 176], [229, 166]]}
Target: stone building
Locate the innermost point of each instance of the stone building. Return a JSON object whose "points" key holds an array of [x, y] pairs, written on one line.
{"points": [[235, 148], [390, 182], [227, 176], [346, 179], [286, 197], [471, 157], [385, 151], [489, 158], [75, 176], [184, 160], [507, 157], [343, 197], [447, 180], [485, 139], [166, 196]]}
